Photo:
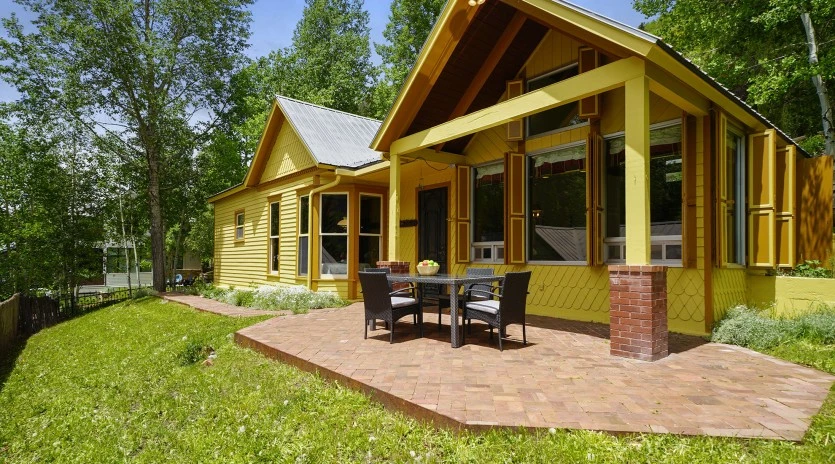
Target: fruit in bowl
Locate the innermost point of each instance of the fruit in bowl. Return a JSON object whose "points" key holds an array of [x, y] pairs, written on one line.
{"points": [[428, 267]]}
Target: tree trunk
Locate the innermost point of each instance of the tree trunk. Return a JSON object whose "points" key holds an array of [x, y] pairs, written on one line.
{"points": [[155, 207], [820, 85]]}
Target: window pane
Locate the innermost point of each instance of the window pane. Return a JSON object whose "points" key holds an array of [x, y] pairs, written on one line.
{"points": [[239, 219], [302, 256], [274, 254], [370, 214], [334, 254], [334, 214], [488, 204], [274, 219], [673, 251], [555, 118], [304, 211], [664, 189], [369, 252], [733, 144], [557, 211]]}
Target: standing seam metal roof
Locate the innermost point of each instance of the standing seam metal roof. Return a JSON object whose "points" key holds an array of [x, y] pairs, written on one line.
{"points": [[333, 137]]}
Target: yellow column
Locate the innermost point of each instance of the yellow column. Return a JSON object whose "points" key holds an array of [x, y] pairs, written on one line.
{"points": [[394, 208], [637, 171]]}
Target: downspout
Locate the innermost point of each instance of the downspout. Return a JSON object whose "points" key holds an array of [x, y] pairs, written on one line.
{"points": [[316, 190]]}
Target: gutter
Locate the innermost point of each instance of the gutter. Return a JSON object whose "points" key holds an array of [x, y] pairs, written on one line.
{"points": [[316, 190]]}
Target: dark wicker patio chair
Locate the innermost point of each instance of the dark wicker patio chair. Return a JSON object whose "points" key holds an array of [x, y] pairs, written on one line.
{"points": [[388, 306], [387, 270], [443, 300], [508, 308]]}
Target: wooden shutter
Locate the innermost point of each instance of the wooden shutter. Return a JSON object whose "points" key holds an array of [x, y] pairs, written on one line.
{"points": [[720, 176], [594, 199], [785, 206], [515, 129], [463, 184], [514, 237], [688, 191], [762, 156], [589, 59]]}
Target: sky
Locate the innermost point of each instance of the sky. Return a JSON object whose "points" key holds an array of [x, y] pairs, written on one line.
{"points": [[273, 22]]}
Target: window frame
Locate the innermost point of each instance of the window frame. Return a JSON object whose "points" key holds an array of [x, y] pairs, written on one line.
{"points": [[300, 235], [663, 240], [346, 234], [273, 256], [242, 214], [359, 221], [740, 198], [533, 154], [477, 247], [528, 136]]}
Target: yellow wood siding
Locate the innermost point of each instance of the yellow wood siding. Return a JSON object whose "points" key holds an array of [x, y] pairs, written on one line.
{"points": [[555, 51], [287, 156]]}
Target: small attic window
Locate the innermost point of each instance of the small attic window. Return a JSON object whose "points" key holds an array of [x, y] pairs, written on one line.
{"points": [[556, 118]]}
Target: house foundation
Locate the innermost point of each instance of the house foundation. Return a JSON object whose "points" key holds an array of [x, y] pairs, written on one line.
{"points": [[638, 311]]}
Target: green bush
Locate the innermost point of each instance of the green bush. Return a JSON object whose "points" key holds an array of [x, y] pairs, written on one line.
{"points": [[143, 292], [194, 351], [755, 329], [810, 268]]}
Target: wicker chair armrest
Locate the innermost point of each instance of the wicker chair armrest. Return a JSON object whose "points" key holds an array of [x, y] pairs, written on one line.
{"points": [[411, 290], [469, 293]]}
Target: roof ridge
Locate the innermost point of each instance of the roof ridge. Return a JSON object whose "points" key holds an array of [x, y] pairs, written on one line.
{"points": [[326, 108]]}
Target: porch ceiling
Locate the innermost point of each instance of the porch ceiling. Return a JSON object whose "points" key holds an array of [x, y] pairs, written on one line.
{"points": [[466, 60]]}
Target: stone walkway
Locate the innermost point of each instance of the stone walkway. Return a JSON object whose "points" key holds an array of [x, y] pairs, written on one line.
{"points": [[216, 307], [563, 378]]}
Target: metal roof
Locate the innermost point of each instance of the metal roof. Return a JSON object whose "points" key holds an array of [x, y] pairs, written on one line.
{"points": [[335, 138]]}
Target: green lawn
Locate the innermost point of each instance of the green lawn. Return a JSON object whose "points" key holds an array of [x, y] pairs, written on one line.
{"points": [[112, 386]]}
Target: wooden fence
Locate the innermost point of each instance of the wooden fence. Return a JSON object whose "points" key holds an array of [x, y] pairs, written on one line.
{"points": [[25, 315]]}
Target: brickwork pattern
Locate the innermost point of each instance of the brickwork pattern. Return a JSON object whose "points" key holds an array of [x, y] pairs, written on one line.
{"points": [[638, 312], [397, 267]]}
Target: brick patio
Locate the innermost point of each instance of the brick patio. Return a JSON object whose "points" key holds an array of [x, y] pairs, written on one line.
{"points": [[564, 378]]}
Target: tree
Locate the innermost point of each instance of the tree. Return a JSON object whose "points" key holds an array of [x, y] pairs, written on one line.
{"points": [[145, 78], [767, 51], [408, 27], [329, 61]]}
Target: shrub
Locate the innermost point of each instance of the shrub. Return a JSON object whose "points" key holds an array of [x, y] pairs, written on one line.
{"points": [[810, 268], [295, 298], [755, 329], [143, 292], [194, 351]]}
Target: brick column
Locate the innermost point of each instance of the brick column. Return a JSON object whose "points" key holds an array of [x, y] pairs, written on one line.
{"points": [[638, 311], [397, 267]]}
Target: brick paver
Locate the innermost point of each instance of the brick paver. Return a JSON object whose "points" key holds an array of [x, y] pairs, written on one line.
{"points": [[564, 378], [216, 307]]}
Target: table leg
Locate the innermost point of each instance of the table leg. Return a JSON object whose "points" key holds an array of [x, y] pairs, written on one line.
{"points": [[453, 316]]}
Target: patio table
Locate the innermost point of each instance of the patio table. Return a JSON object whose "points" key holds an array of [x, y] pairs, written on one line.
{"points": [[454, 282]]}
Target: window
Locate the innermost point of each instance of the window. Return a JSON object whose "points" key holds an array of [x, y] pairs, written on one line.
{"points": [[371, 231], [275, 225], [117, 261], [555, 118], [488, 213], [665, 178], [735, 191], [333, 232], [557, 205], [239, 225], [304, 216]]}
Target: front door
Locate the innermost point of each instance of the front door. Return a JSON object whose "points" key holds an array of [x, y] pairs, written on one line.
{"points": [[432, 226]]}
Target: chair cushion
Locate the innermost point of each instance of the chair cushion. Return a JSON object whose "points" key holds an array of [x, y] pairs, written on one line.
{"points": [[486, 306], [399, 301]]}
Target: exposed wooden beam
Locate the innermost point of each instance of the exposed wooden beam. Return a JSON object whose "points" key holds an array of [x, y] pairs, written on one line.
{"points": [[487, 68], [637, 171], [438, 157], [676, 92], [599, 80]]}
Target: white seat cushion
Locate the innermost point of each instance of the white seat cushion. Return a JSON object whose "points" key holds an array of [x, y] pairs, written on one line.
{"points": [[399, 301], [486, 306]]}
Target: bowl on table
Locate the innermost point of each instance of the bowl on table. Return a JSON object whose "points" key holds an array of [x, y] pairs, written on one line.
{"points": [[428, 270]]}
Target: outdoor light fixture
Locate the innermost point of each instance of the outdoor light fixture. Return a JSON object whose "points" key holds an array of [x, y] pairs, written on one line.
{"points": [[537, 213], [475, 2]]}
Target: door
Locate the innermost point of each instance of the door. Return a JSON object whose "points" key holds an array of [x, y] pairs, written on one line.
{"points": [[432, 229]]}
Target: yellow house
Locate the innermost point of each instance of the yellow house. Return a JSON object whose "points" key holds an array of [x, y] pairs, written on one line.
{"points": [[537, 135]]}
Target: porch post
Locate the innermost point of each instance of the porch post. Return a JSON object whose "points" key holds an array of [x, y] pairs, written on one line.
{"points": [[394, 208], [637, 290]]}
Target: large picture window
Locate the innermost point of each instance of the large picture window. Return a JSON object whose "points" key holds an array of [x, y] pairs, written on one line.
{"points": [[304, 235], [555, 118], [735, 191], [371, 230], [275, 225], [557, 205], [665, 179], [333, 233], [488, 213]]}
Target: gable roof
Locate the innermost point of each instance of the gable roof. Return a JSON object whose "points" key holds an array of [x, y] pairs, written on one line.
{"points": [[620, 40], [333, 137]]}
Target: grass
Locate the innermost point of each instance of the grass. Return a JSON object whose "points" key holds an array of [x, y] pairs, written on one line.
{"points": [[128, 383]]}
